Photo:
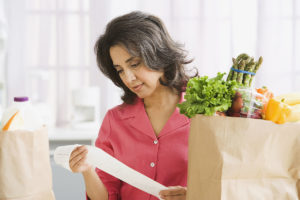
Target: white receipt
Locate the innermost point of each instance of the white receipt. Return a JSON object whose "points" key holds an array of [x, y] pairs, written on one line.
{"points": [[105, 162]]}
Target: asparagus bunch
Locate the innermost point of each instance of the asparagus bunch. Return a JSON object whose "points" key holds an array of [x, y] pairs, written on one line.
{"points": [[244, 64]]}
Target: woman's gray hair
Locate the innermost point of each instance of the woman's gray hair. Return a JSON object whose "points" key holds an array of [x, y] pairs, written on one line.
{"points": [[144, 36]]}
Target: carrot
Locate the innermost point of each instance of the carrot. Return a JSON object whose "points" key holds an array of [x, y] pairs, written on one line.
{"points": [[266, 96], [7, 125], [265, 92]]}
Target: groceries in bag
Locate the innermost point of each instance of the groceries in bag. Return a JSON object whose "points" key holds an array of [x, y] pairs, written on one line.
{"points": [[236, 97], [21, 115], [207, 96], [25, 170], [244, 69]]}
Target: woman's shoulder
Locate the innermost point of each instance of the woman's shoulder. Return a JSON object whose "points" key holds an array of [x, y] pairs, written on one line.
{"points": [[126, 110]]}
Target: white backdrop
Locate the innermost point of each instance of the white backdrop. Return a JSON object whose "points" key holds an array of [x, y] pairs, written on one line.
{"points": [[3, 45], [50, 50]]}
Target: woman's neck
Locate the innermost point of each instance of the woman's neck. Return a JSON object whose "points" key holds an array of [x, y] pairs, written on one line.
{"points": [[163, 98]]}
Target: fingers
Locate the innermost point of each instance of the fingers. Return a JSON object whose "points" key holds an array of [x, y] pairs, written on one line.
{"points": [[77, 154], [77, 151], [174, 190], [78, 158], [174, 193]]}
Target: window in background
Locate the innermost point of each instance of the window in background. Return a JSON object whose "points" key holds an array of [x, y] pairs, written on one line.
{"points": [[279, 42], [205, 29], [57, 55], [54, 55], [3, 50], [296, 54]]}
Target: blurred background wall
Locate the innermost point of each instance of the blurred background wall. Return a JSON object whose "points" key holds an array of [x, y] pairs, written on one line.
{"points": [[46, 46]]}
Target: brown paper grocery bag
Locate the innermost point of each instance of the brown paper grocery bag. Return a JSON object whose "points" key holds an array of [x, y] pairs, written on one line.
{"points": [[25, 171], [243, 159]]}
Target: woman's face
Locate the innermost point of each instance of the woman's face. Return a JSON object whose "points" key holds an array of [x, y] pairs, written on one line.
{"points": [[134, 73]]}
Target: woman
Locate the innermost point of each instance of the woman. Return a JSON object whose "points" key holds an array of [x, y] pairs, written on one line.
{"points": [[146, 132]]}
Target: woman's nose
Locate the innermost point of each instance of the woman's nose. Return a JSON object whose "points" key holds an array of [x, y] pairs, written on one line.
{"points": [[129, 75]]}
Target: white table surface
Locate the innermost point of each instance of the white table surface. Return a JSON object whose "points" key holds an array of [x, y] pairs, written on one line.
{"points": [[66, 133]]}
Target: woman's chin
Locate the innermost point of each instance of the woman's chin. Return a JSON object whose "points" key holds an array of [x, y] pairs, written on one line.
{"points": [[140, 95]]}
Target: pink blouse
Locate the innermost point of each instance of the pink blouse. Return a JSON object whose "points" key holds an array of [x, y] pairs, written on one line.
{"points": [[127, 134]]}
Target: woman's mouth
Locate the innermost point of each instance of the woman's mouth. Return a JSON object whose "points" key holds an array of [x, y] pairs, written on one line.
{"points": [[138, 87]]}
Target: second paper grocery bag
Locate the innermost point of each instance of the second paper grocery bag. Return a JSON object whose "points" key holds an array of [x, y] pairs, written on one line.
{"points": [[239, 158], [25, 171]]}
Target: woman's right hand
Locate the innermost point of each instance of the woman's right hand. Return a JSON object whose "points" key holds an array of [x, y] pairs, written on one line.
{"points": [[78, 161]]}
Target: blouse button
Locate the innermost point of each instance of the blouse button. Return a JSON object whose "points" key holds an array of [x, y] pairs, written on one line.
{"points": [[152, 164], [155, 141]]}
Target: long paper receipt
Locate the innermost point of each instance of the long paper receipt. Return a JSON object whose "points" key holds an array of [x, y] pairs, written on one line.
{"points": [[112, 166]]}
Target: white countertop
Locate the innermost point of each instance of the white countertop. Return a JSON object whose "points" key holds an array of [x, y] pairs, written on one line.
{"points": [[61, 134]]}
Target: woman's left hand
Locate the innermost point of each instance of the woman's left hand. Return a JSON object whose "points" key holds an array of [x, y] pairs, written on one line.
{"points": [[173, 193]]}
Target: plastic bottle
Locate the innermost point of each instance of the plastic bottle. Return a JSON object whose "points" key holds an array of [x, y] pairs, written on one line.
{"points": [[21, 115]]}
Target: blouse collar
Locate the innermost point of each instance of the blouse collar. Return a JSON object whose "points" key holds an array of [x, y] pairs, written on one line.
{"points": [[138, 118]]}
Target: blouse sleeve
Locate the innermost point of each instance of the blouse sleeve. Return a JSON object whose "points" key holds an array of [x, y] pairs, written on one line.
{"points": [[103, 142]]}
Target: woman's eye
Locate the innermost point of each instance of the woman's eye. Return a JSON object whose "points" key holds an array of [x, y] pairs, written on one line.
{"points": [[135, 64], [119, 71]]}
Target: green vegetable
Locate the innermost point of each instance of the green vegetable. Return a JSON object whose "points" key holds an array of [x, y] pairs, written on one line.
{"points": [[241, 75], [207, 95], [257, 66], [229, 77], [250, 68], [241, 57], [245, 63], [235, 66]]}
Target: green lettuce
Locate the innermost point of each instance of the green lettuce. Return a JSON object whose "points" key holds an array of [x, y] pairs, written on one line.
{"points": [[207, 95]]}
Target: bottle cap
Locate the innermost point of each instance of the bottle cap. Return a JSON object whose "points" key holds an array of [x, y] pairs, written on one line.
{"points": [[20, 99]]}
